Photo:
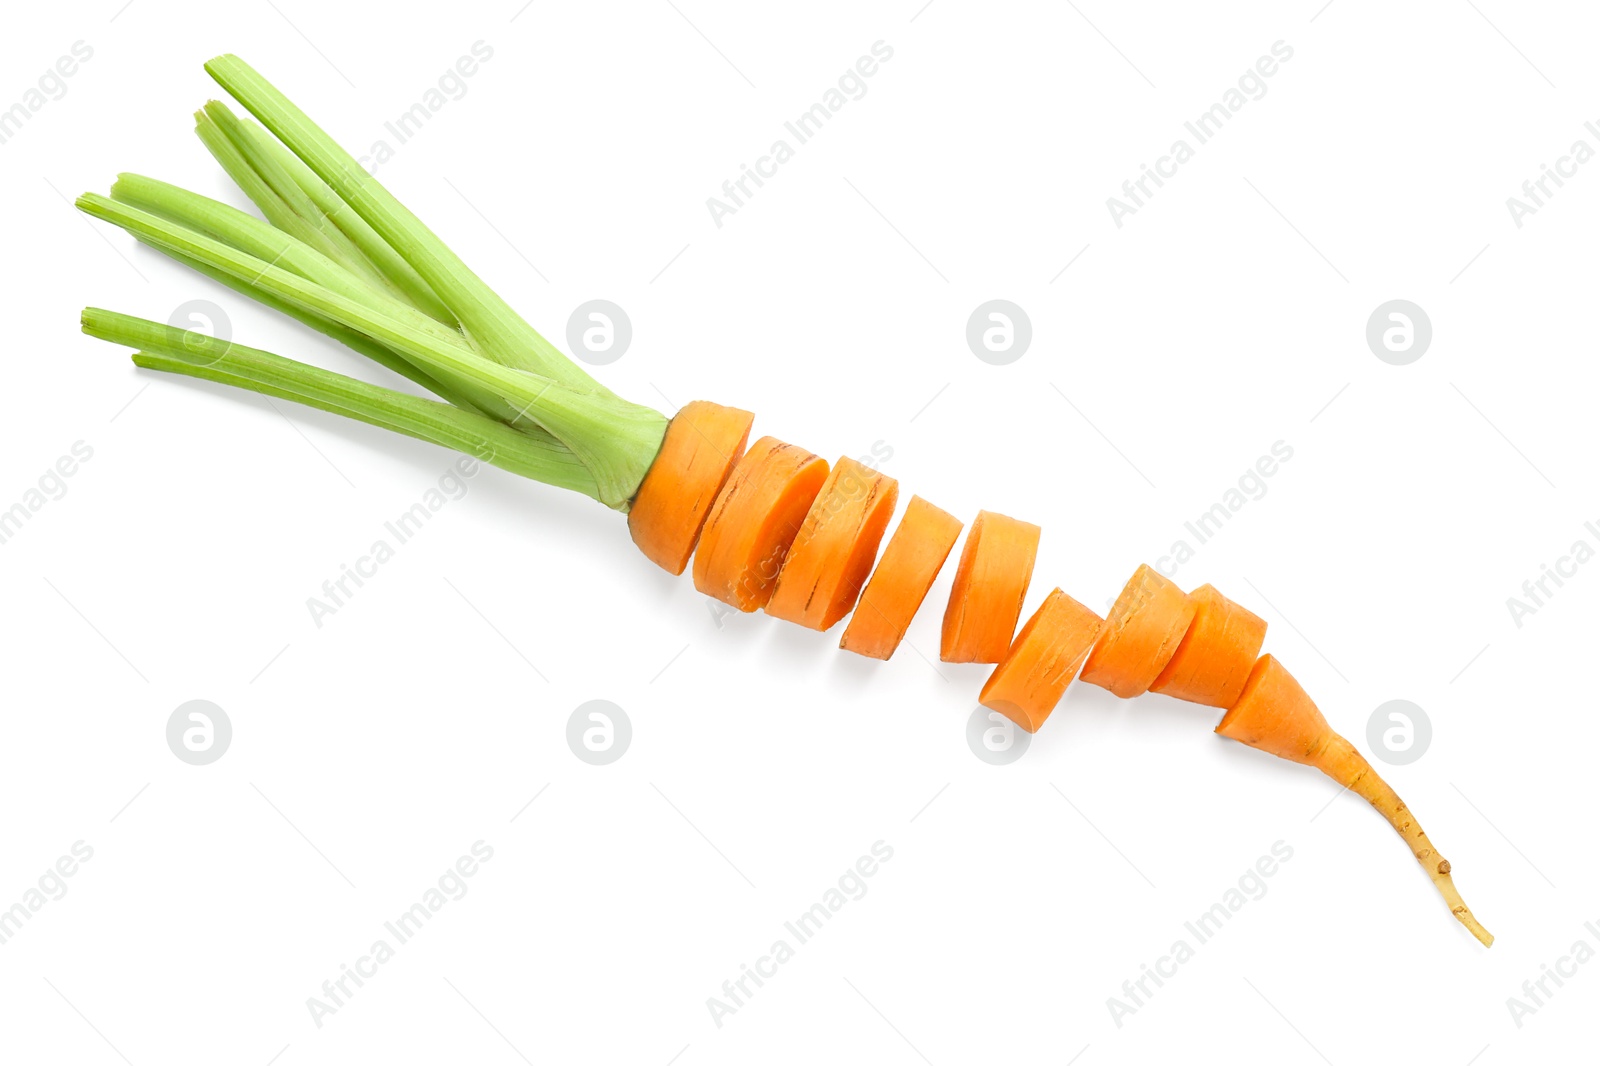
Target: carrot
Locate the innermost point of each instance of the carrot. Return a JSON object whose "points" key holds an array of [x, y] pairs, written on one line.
{"points": [[335, 250], [703, 442], [829, 561], [914, 557], [991, 580], [755, 519], [1143, 630], [1214, 659], [1042, 662], [1275, 714]]}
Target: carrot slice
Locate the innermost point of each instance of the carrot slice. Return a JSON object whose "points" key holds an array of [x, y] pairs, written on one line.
{"points": [[1274, 714], [1214, 659], [1042, 662], [1143, 630], [755, 519], [704, 440], [829, 561], [991, 580], [914, 557]]}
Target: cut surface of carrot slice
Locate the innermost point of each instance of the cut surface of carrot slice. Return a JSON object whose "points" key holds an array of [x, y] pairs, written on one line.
{"points": [[991, 580], [1214, 659], [703, 442], [1042, 661], [1143, 630], [831, 557], [916, 553], [756, 517]]}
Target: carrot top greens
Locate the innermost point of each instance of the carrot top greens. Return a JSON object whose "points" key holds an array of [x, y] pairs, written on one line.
{"points": [[340, 254]]}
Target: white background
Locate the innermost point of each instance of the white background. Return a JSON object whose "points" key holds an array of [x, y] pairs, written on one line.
{"points": [[1226, 315]]}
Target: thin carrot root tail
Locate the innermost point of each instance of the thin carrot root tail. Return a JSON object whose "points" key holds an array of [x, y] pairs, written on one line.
{"points": [[1341, 761], [1275, 714]]}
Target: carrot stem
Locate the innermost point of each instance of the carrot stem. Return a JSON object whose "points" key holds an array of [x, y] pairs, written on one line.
{"points": [[161, 347], [615, 439], [496, 329], [189, 212], [298, 202]]}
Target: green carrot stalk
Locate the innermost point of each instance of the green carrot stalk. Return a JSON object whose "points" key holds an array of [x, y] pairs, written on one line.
{"points": [[245, 233], [615, 439], [295, 215], [250, 235], [344, 256], [298, 202], [488, 321], [356, 342], [366, 239], [532, 455]]}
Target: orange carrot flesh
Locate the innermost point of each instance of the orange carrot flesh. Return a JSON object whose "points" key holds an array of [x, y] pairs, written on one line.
{"points": [[703, 442], [831, 557], [1274, 713], [991, 580], [913, 559], [754, 521], [1217, 653], [1042, 662], [1143, 630]]}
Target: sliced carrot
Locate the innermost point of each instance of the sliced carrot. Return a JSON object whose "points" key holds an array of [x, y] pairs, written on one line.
{"points": [[991, 580], [914, 557], [1214, 659], [1042, 662], [704, 440], [1274, 713], [829, 561], [756, 517], [1142, 632]]}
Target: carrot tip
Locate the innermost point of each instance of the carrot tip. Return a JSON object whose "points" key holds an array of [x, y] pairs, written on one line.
{"points": [[1275, 714]]}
